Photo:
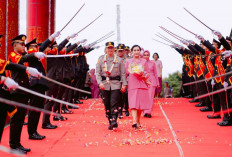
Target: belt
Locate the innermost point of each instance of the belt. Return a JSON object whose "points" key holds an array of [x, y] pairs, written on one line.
{"points": [[112, 78]]}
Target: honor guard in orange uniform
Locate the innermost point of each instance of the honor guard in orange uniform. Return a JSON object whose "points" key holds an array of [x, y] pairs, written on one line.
{"points": [[19, 56], [39, 85]]}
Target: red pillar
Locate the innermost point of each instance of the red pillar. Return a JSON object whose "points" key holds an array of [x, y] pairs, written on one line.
{"points": [[12, 23], [3, 27], [37, 20]]}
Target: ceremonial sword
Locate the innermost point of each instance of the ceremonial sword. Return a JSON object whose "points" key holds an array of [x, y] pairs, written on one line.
{"points": [[89, 24], [173, 34], [195, 82], [64, 85], [17, 104], [72, 18], [45, 97], [198, 19], [181, 26], [161, 42], [214, 92]]}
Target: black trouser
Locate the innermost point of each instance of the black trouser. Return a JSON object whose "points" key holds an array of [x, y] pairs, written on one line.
{"points": [[192, 88], [208, 100], [80, 84], [65, 95], [111, 99], [226, 107], [52, 92], [202, 89], [125, 100], [218, 99], [16, 122], [3, 114], [33, 116], [56, 107]]}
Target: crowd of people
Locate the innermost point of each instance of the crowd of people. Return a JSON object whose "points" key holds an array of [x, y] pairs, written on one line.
{"points": [[128, 80], [124, 79], [206, 69], [25, 68]]}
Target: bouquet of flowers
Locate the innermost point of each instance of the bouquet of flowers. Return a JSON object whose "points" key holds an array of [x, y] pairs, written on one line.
{"points": [[138, 70]]}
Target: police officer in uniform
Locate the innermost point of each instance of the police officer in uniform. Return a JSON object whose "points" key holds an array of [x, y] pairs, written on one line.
{"points": [[20, 57], [111, 77]]}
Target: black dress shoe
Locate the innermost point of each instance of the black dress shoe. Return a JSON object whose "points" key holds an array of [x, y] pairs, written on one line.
{"points": [[114, 124], [189, 96], [72, 107], [83, 98], [34, 136], [148, 115], [42, 136], [78, 102], [145, 115], [24, 149], [134, 125], [205, 109], [193, 100], [224, 123], [213, 116], [17, 150], [200, 105], [61, 118], [66, 111], [110, 127], [49, 126], [127, 113]]}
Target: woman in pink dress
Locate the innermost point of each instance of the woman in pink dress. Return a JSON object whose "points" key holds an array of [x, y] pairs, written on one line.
{"points": [[154, 82], [159, 67], [138, 94], [94, 86]]}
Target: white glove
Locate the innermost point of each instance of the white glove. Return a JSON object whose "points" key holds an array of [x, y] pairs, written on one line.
{"points": [[179, 46], [34, 72], [73, 35], [225, 84], [173, 46], [218, 34], [40, 55], [194, 76], [227, 53], [184, 42], [191, 42], [83, 41], [10, 83], [213, 82], [199, 37], [55, 35], [87, 46]]}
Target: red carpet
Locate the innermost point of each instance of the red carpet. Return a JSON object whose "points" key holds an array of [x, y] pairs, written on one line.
{"points": [[85, 134]]}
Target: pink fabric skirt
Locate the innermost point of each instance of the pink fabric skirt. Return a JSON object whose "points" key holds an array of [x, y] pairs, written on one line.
{"points": [[139, 99], [159, 89], [151, 94]]}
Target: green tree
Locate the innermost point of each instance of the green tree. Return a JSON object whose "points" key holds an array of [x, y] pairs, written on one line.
{"points": [[174, 80]]}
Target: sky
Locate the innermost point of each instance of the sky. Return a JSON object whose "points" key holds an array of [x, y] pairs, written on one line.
{"points": [[139, 22]]}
